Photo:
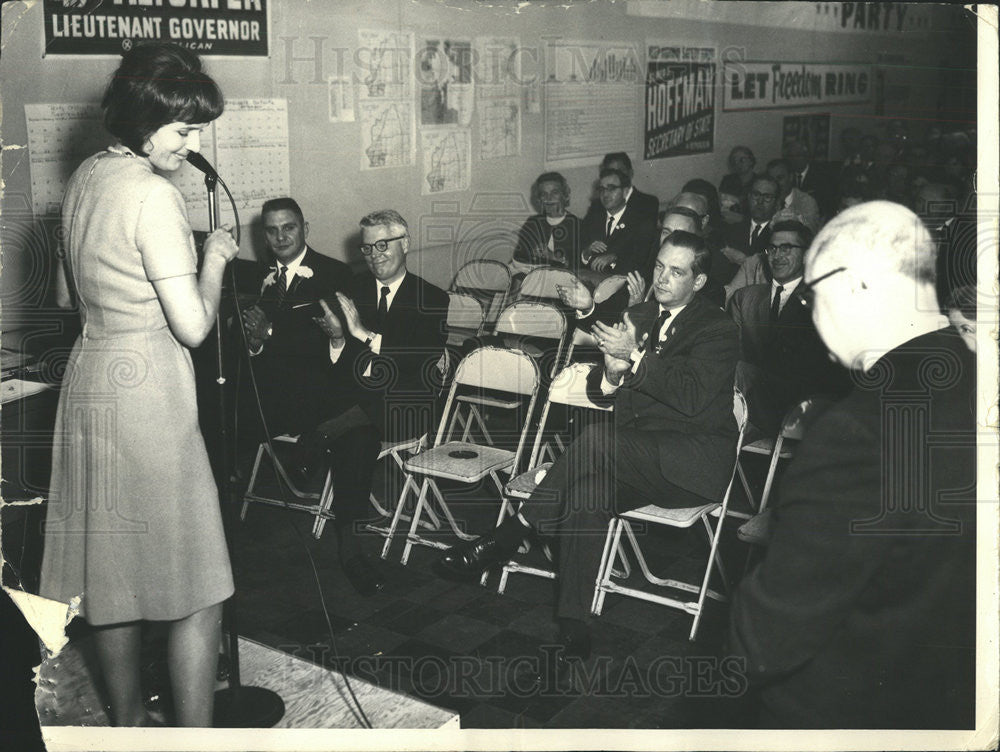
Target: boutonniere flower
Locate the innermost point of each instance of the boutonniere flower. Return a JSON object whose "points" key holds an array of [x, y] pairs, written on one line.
{"points": [[269, 280], [305, 272], [621, 226]]}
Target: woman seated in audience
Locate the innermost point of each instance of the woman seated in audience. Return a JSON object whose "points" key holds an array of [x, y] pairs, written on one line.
{"points": [[733, 187], [962, 314], [552, 237]]}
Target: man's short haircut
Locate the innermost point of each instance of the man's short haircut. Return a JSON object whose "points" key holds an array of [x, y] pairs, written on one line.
{"points": [[793, 225], [284, 203], [626, 181], [704, 188], [963, 299], [157, 84], [681, 211], [779, 163], [765, 178], [618, 156], [702, 262], [384, 218], [880, 231], [548, 177]]}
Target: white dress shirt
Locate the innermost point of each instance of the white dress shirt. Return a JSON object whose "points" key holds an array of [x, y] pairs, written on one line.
{"points": [[786, 292]]}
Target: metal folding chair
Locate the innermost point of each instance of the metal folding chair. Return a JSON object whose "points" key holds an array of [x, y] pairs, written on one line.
{"points": [[523, 319], [486, 280], [568, 388], [680, 518], [756, 529], [466, 318], [506, 371], [540, 283], [314, 508]]}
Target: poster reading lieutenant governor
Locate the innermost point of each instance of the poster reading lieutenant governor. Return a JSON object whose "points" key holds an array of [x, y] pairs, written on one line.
{"points": [[111, 27], [680, 100]]}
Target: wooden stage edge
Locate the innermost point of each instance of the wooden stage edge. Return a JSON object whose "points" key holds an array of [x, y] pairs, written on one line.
{"points": [[314, 697]]}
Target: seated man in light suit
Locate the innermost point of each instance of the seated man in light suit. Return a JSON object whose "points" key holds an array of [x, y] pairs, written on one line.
{"points": [[783, 360], [669, 365]]}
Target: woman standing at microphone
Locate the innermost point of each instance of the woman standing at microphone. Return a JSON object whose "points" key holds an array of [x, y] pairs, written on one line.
{"points": [[133, 523]]}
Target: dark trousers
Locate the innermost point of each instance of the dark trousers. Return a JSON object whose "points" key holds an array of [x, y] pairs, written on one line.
{"points": [[604, 471], [353, 456]]}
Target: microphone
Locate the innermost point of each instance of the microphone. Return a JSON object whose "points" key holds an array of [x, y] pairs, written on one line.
{"points": [[200, 163]]}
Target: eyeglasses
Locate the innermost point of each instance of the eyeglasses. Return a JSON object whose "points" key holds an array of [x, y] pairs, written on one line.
{"points": [[807, 290], [379, 245], [784, 248], [758, 196]]}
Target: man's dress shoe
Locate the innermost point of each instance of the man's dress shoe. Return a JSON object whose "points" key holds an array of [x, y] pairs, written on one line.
{"points": [[466, 561], [364, 575]]}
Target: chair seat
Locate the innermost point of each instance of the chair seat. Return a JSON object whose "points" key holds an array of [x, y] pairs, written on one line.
{"points": [[405, 445], [766, 446], [524, 484], [756, 530], [489, 401], [683, 517], [442, 462]]}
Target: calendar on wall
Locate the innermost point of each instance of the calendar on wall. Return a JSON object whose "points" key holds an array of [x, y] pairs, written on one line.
{"points": [[248, 146]]}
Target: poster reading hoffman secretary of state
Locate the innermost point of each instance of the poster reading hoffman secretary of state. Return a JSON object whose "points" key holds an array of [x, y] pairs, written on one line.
{"points": [[680, 100], [111, 27]]}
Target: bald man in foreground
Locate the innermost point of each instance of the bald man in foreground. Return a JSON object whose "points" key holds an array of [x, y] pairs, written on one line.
{"points": [[862, 613]]}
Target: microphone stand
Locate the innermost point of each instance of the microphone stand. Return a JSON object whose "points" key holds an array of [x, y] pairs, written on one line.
{"points": [[236, 706]]}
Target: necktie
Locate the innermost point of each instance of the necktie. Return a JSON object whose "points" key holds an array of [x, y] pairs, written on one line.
{"points": [[383, 307], [282, 284], [798, 179], [610, 227], [776, 302], [754, 235], [654, 332]]}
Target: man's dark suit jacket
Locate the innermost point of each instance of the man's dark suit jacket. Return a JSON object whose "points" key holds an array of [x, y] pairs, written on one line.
{"points": [[789, 355], [821, 183], [862, 614], [634, 241], [738, 236], [684, 396], [403, 375], [289, 367]]}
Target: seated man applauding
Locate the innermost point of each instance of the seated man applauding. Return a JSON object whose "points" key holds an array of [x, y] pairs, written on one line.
{"points": [[670, 365]]}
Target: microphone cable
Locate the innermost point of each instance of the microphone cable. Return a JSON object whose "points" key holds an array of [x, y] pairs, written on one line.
{"points": [[202, 164]]}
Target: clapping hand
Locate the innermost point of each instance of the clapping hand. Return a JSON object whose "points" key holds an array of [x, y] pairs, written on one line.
{"points": [[603, 262], [352, 318], [596, 248], [617, 343], [636, 288], [576, 296], [737, 257], [257, 327], [330, 324]]}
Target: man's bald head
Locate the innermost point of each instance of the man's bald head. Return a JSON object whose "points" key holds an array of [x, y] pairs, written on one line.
{"points": [[694, 202], [876, 237]]}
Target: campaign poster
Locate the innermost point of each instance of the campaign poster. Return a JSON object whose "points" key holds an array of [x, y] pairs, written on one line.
{"points": [[680, 100], [111, 27]]}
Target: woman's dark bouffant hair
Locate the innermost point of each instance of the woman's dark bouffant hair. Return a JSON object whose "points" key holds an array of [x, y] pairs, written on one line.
{"points": [[157, 84]]}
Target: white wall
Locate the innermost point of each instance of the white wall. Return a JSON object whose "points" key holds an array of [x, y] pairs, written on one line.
{"points": [[325, 176]]}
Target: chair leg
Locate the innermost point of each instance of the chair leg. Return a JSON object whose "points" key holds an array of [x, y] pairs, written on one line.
{"points": [[746, 486], [253, 481], [414, 521], [704, 583], [396, 515], [325, 504]]}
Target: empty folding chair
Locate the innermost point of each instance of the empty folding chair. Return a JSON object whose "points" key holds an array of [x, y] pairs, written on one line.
{"points": [[466, 318], [487, 281], [680, 518], [540, 284], [509, 372], [309, 501], [756, 529], [538, 329], [568, 388]]}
